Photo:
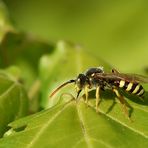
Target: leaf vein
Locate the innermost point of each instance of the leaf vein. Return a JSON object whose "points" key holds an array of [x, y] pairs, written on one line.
{"points": [[84, 129], [40, 132], [134, 130], [8, 90]]}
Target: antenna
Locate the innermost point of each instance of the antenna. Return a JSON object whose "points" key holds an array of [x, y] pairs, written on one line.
{"points": [[61, 86]]}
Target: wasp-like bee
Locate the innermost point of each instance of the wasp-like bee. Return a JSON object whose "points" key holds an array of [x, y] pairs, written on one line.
{"points": [[98, 79]]}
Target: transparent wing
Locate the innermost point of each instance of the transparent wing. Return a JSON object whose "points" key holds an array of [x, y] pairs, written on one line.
{"points": [[120, 76], [136, 77]]}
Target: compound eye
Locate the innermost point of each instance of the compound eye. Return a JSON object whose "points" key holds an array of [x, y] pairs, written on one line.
{"points": [[81, 80]]}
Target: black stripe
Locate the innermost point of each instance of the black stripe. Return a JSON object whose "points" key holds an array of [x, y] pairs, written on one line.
{"points": [[125, 85], [133, 87], [142, 93], [140, 88]]}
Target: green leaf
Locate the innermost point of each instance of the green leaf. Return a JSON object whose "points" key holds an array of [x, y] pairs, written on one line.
{"points": [[13, 101], [23, 46], [23, 50], [74, 124], [66, 62]]}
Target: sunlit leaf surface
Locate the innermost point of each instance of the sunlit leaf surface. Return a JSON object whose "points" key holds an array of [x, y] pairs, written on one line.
{"points": [[77, 125]]}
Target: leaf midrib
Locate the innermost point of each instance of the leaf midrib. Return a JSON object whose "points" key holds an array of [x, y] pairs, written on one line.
{"points": [[87, 137]]}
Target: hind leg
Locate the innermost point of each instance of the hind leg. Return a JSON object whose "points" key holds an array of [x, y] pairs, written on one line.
{"points": [[123, 102]]}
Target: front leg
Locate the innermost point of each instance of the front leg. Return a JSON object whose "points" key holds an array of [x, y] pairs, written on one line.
{"points": [[97, 97], [86, 94]]}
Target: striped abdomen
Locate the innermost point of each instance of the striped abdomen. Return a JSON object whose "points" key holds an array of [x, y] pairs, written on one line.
{"points": [[133, 88]]}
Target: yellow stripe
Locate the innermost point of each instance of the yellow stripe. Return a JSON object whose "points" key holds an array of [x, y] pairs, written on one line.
{"points": [[136, 89], [141, 92], [129, 87], [121, 83]]}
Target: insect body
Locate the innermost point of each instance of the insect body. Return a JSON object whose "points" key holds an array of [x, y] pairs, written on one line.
{"points": [[131, 87], [98, 79], [127, 83]]}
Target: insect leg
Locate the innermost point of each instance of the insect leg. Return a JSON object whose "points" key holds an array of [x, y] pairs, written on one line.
{"points": [[78, 93], [122, 101], [97, 97], [86, 94]]}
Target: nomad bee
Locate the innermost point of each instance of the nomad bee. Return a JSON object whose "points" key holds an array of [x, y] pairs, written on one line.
{"points": [[98, 79]]}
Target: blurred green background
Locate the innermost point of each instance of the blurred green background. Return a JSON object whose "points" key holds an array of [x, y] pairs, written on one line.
{"points": [[116, 31]]}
